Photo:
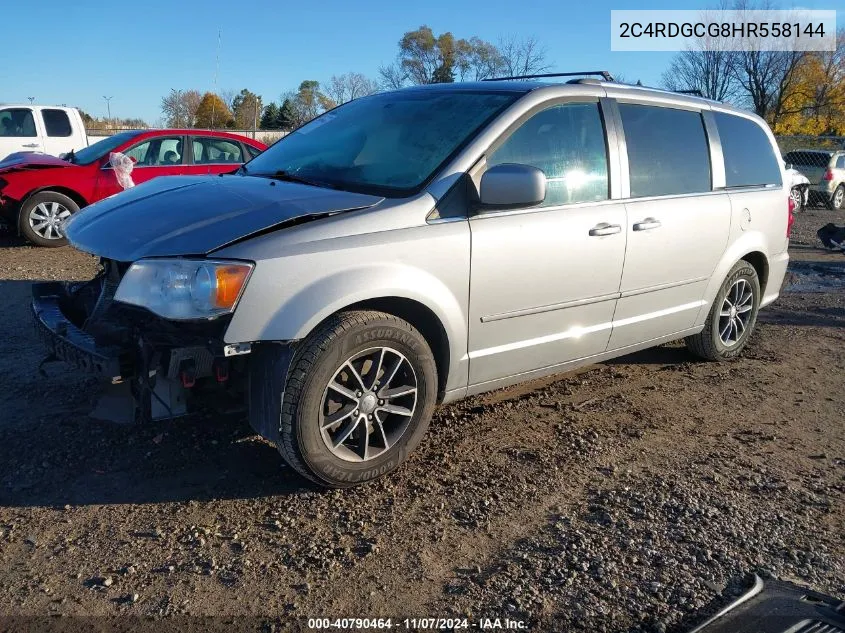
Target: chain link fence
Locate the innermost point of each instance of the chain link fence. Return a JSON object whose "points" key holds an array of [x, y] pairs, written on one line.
{"points": [[821, 161]]}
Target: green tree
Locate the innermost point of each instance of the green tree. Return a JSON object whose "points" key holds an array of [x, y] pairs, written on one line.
{"points": [[270, 117], [286, 118], [213, 113], [246, 108]]}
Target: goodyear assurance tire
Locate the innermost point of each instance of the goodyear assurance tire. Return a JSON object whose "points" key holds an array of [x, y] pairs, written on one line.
{"points": [[732, 317], [41, 216], [359, 396]]}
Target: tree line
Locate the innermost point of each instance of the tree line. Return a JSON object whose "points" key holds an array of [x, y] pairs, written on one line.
{"points": [[423, 58], [796, 92]]}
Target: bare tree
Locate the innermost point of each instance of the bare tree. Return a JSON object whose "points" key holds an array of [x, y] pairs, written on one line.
{"points": [[393, 76], [710, 72], [349, 86], [522, 57], [180, 107], [228, 96]]}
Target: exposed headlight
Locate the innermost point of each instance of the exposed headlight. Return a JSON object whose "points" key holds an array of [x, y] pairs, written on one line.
{"points": [[184, 288]]}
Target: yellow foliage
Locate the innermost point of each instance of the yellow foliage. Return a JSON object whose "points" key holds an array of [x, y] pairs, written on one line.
{"points": [[815, 104]]}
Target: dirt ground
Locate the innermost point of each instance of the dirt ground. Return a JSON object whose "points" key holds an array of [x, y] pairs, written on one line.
{"points": [[637, 495]]}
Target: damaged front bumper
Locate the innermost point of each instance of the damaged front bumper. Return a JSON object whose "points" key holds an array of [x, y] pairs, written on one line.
{"points": [[157, 368], [66, 342]]}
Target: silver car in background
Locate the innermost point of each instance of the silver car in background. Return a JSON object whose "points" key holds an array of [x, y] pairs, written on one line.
{"points": [[825, 169], [416, 247]]}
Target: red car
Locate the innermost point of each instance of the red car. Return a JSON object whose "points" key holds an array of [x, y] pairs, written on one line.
{"points": [[37, 191]]}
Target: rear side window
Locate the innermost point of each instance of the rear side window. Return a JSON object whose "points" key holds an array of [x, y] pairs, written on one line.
{"points": [[840, 162], [56, 122], [567, 143], [17, 122], [667, 150], [750, 159], [209, 150]]}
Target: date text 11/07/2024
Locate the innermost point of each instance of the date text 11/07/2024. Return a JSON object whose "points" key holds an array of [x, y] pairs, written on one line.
{"points": [[417, 624]]}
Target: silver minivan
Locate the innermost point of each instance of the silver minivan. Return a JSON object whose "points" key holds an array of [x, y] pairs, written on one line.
{"points": [[416, 247]]}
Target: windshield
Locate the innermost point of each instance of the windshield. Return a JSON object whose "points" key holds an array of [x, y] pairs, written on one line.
{"points": [[88, 155], [386, 144]]}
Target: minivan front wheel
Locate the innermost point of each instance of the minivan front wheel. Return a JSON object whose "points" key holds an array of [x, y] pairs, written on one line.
{"points": [[359, 397], [732, 317]]}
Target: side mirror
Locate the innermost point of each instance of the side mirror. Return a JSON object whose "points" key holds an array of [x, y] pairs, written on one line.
{"points": [[512, 185]]}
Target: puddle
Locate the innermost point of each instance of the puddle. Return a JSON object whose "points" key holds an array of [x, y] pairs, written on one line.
{"points": [[815, 277]]}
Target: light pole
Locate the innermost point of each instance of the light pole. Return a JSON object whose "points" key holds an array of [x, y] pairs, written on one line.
{"points": [[31, 99], [108, 106]]}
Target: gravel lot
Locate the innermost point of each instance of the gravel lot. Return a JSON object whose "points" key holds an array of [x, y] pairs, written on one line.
{"points": [[637, 495]]}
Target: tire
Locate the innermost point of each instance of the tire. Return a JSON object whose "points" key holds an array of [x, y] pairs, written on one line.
{"points": [[304, 440], [709, 343], [40, 216], [797, 198], [837, 199]]}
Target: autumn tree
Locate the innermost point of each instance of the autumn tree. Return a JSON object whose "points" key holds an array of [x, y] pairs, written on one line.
{"points": [[180, 107], [213, 113], [815, 102], [246, 109]]}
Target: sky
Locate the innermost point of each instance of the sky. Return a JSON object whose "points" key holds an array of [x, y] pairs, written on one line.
{"points": [[75, 53]]}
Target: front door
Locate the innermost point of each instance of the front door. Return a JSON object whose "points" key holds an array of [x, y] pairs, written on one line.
{"points": [[544, 280]]}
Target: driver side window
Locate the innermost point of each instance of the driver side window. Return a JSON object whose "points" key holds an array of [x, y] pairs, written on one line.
{"points": [[157, 152], [566, 142]]}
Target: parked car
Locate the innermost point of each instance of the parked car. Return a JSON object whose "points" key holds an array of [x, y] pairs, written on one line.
{"points": [[415, 247], [51, 130], [799, 187], [38, 192], [826, 171]]}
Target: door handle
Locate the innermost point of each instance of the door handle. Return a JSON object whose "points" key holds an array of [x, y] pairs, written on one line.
{"points": [[30, 145], [605, 229], [646, 225]]}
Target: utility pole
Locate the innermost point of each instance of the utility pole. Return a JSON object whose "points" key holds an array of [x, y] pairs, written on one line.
{"points": [[108, 106]]}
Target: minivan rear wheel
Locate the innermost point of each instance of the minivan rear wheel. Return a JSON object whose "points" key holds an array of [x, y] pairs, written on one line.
{"points": [[359, 397], [732, 317]]}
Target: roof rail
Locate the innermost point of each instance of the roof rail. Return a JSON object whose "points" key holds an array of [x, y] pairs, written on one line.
{"points": [[601, 73], [695, 92]]}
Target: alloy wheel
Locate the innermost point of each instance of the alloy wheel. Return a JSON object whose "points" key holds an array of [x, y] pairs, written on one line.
{"points": [[46, 219], [736, 312], [368, 404]]}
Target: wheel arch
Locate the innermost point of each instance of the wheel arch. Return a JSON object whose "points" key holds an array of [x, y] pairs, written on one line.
{"points": [[751, 247], [761, 264], [424, 320]]}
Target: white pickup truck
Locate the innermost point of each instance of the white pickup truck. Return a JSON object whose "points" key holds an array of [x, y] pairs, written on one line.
{"points": [[52, 130]]}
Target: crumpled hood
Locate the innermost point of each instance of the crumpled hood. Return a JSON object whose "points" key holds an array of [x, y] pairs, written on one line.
{"points": [[195, 215], [30, 160]]}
